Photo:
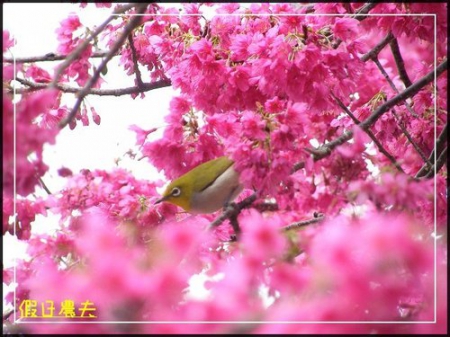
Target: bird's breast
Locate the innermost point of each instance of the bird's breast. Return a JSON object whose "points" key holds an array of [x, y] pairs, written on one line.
{"points": [[224, 189]]}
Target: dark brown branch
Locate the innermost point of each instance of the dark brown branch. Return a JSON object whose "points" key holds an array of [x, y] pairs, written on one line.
{"points": [[379, 47], [47, 57], [392, 85], [44, 186], [409, 137], [347, 7], [440, 145], [33, 86], [81, 47], [369, 133], [132, 23], [234, 223], [307, 8], [359, 15], [298, 166], [300, 224], [135, 61], [7, 314], [408, 92], [233, 210], [325, 150], [400, 63], [439, 163], [400, 123], [266, 206]]}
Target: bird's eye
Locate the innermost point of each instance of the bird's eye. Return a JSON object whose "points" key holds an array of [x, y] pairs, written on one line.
{"points": [[175, 192]]}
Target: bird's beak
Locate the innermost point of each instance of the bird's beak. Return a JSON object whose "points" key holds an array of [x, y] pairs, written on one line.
{"points": [[160, 200]]}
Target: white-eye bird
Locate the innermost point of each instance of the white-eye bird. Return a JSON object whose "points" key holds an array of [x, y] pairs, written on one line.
{"points": [[206, 188]]}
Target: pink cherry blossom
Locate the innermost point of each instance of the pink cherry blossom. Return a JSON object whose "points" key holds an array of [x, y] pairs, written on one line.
{"points": [[8, 41]]}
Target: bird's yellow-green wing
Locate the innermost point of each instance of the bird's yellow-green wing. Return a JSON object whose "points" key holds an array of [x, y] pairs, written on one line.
{"points": [[208, 172]]}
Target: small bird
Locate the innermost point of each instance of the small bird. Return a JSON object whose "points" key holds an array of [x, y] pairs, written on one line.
{"points": [[206, 188]]}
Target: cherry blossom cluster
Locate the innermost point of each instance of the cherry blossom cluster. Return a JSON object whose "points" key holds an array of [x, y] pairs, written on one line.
{"points": [[350, 270], [69, 37], [23, 141]]}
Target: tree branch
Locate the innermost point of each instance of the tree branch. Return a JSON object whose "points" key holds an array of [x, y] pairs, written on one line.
{"points": [[7, 314], [47, 57], [300, 224], [409, 137], [365, 9], [388, 79], [369, 133], [81, 47], [308, 8], [399, 62], [400, 123], [44, 186], [441, 141], [132, 23], [33, 86], [359, 15], [325, 150], [379, 47], [266, 206], [135, 62], [439, 163], [233, 210], [408, 92]]}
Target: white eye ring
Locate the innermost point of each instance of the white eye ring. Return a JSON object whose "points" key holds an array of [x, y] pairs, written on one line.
{"points": [[175, 192]]}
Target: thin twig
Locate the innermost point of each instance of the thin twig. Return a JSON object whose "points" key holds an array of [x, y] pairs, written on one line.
{"points": [[399, 62], [135, 61], [298, 166], [233, 210], [439, 163], [81, 47], [379, 47], [400, 123], [44, 186], [369, 133], [388, 79], [132, 23], [408, 92], [300, 224], [440, 143], [7, 314], [409, 137], [347, 7], [234, 223], [33, 86], [266, 206], [309, 8], [47, 57], [359, 15]]}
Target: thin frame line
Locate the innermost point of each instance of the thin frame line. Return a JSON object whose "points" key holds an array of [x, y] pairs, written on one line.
{"points": [[257, 322], [276, 14], [223, 322], [15, 186], [435, 172]]}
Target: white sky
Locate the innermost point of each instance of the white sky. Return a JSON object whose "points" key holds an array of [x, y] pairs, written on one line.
{"points": [[93, 147]]}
